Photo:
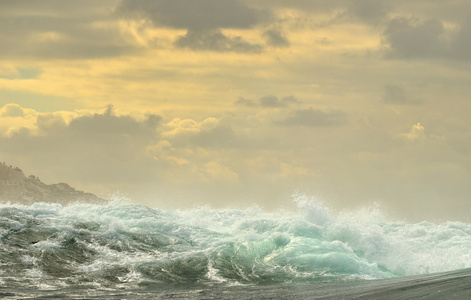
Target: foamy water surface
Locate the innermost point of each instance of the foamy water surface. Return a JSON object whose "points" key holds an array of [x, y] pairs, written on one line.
{"points": [[122, 246]]}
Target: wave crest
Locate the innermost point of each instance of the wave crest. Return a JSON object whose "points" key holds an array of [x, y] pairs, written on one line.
{"points": [[125, 244]]}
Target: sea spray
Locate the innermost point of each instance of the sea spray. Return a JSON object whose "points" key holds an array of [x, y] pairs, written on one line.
{"points": [[122, 245]]}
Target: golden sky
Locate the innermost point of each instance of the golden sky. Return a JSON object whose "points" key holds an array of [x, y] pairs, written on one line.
{"points": [[232, 103]]}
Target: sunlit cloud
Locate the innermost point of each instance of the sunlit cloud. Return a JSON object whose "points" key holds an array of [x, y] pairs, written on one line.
{"points": [[417, 132]]}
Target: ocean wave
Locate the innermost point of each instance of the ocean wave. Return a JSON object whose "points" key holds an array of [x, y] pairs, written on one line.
{"points": [[125, 245]]}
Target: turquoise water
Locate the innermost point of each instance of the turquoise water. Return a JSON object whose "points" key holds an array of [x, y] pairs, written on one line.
{"points": [[124, 246]]}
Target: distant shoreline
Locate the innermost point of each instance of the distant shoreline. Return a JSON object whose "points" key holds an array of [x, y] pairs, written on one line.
{"points": [[15, 187]]}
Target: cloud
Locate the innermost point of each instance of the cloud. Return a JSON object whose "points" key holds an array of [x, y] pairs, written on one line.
{"points": [[100, 146], [461, 46], [275, 38], [462, 145], [12, 110], [315, 118], [410, 38], [215, 171], [49, 123], [372, 11], [417, 132], [110, 126], [20, 73], [220, 136], [246, 102], [208, 134], [14, 118], [178, 128], [164, 151], [215, 41], [203, 20], [397, 95], [60, 30], [268, 101], [394, 94], [213, 134], [199, 15]]}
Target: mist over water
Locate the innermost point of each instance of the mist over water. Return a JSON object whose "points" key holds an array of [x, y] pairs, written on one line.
{"points": [[122, 245]]}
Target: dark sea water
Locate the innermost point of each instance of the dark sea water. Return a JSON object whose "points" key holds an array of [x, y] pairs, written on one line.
{"points": [[129, 251]]}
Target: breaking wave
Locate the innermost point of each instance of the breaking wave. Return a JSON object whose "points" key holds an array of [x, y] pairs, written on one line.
{"points": [[120, 245]]}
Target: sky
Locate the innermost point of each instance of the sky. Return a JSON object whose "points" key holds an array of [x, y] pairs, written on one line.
{"points": [[226, 103]]}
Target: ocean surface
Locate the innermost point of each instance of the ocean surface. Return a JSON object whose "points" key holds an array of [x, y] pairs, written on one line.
{"points": [[122, 250]]}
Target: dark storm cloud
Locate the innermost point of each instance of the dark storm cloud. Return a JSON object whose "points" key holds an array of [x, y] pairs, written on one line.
{"points": [[58, 29], [315, 118], [215, 41], [203, 20]]}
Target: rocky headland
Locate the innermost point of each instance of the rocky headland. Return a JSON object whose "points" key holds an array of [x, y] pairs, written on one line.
{"points": [[15, 187]]}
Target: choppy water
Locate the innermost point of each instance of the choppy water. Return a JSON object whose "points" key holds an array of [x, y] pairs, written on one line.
{"points": [[122, 247]]}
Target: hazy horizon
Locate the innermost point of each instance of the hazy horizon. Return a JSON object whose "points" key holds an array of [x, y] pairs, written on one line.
{"points": [[231, 103]]}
